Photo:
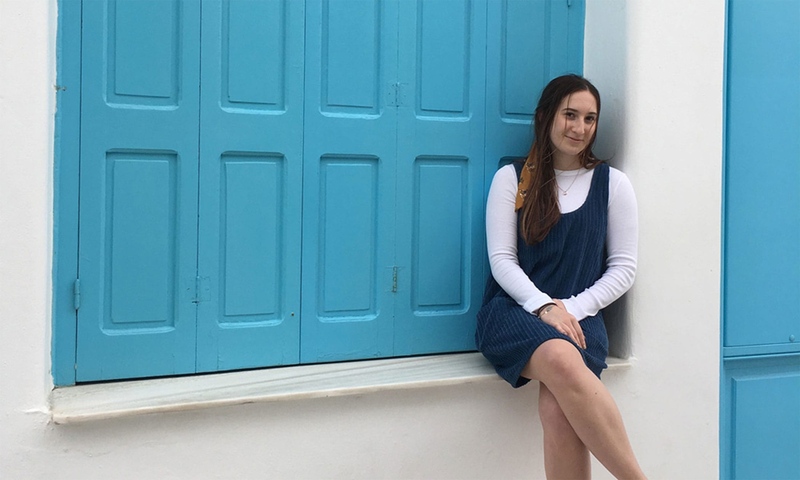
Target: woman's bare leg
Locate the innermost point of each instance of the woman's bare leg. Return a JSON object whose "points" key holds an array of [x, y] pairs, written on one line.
{"points": [[587, 405], [565, 455]]}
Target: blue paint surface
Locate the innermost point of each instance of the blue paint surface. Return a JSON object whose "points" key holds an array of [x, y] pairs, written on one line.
{"points": [[760, 414], [251, 164], [138, 190]]}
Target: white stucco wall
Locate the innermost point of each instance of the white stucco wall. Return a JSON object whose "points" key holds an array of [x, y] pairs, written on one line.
{"points": [[658, 64]]}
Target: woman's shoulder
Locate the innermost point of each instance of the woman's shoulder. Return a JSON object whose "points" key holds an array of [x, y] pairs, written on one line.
{"points": [[616, 176], [618, 182], [504, 183], [506, 173]]}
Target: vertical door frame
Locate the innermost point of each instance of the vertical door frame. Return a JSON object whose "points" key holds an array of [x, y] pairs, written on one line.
{"points": [[65, 191], [723, 439]]}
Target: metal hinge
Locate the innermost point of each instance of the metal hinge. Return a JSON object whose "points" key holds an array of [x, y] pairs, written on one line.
{"points": [[76, 294], [394, 279], [397, 94], [201, 288]]}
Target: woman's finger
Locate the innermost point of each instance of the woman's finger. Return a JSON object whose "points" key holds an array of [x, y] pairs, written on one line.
{"points": [[575, 338], [579, 331], [569, 331], [573, 331]]}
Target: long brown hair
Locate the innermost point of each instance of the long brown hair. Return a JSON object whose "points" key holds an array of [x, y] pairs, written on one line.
{"points": [[539, 212]]}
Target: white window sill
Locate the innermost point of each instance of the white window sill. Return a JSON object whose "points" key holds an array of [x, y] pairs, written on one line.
{"points": [[112, 400]]}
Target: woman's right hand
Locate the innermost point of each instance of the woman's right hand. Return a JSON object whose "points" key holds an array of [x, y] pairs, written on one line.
{"points": [[566, 323]]}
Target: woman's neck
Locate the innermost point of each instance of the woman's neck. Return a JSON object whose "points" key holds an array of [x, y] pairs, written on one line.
{"points": [[566, 162]]}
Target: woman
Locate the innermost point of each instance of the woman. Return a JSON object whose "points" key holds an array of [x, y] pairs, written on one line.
{"points": [[562, 240]]}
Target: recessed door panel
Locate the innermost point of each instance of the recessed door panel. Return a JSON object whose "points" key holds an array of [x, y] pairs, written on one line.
{"points": [[439, 271], [349, 217], [762, 418], [253, 53], [523, 62], [350, 35], [250, 232], [140, 242], [142, 52], [443, 39]]}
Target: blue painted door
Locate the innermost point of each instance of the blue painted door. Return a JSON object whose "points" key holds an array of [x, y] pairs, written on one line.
{"points": [[760, 424], [272, 182], [251, 164], [348, 182], [393, 243], [190, 215], [400, 145], [441, 135], [138, 189]]}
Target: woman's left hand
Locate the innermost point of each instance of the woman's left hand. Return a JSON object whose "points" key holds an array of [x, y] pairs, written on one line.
{"points": [[560, 304], [559, 318]]}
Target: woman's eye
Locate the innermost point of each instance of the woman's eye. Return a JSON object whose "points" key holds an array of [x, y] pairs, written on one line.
{"points": [[590, 120], [570, 115]]}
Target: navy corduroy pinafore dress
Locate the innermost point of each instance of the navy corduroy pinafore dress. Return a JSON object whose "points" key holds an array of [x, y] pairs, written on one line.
{"points": [[568, 261]]}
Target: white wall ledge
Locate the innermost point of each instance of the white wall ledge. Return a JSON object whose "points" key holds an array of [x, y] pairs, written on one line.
{"points": [[113, 400]]}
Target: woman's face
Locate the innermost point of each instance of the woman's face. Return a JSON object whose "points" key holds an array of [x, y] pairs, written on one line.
{"points": [[574, 125]]}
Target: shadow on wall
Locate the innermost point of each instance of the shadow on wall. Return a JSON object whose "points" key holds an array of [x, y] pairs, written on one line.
{"points": [[611, 59], [618, 325]]}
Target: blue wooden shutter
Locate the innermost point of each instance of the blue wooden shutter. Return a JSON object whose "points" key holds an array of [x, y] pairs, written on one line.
{"points": [[760, 411], [251, 138], [348, 181], [762, 223], [439, 206], [359, 122], [138, 188]]}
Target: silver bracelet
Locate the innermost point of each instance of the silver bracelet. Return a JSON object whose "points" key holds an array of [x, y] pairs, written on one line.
{"points": [[545, 309]]}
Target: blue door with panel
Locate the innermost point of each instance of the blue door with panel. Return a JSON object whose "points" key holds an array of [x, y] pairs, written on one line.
{"points": [[190, 210], [760, 424], [348, 181], [393, 180], [397, 139], [441, 137], [268, 182], [138, 189], [251, 164]]}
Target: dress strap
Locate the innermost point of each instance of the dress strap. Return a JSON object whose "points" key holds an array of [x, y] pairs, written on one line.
{"points": [[518, 164]]}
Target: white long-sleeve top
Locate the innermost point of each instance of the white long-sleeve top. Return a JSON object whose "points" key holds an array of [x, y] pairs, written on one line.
{"points": [[621, 240]]}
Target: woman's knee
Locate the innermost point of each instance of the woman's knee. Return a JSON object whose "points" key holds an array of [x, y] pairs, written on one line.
{"points": [[555, 360]]}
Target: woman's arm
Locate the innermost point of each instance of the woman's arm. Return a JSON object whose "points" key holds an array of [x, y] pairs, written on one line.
{"points": [[622, 247], [501, 242]]}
